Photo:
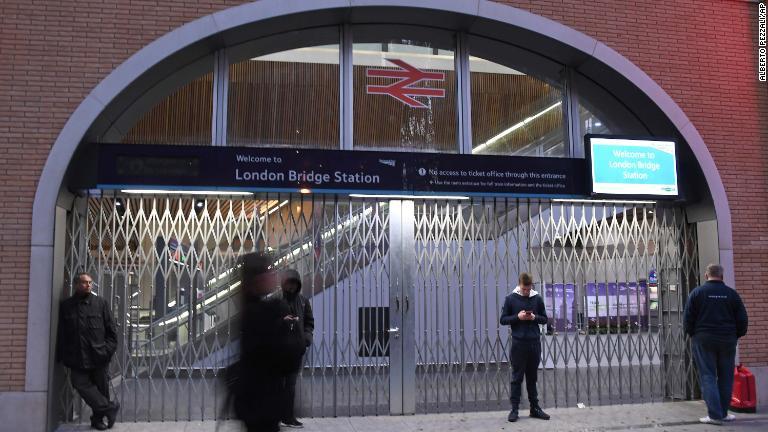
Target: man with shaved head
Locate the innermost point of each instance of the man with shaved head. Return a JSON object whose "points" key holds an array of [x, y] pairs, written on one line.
{"points": [[715, 318], [87, 339]]}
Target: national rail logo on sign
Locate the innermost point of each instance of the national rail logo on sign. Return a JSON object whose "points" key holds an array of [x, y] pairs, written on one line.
{"points": [[403, 89]]}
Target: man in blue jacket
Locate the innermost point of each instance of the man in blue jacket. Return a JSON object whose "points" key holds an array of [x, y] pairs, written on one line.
{"points": [[715, 318], [523, 312]]}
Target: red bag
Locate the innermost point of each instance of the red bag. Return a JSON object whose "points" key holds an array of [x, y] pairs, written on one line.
{"points": [[743, 398]]}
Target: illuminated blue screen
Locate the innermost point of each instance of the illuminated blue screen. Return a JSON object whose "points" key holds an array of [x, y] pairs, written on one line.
{"points": [[633, 167]]}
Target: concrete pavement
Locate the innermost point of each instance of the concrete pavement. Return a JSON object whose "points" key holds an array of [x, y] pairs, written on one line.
{"points": [[667, 416]]}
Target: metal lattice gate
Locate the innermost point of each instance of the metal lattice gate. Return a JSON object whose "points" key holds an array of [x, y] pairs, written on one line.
{"points": [[406, 297], [614, 336]]}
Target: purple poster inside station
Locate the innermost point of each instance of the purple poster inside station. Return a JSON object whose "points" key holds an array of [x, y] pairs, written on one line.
{"points": [[559, 302], [616, 299], [604, 303]]}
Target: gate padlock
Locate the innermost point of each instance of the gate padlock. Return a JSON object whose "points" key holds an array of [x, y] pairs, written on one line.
{"points": [[395, 331]]}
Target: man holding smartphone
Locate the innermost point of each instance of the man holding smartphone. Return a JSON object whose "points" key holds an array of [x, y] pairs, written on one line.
{"points": [[523, 312], [301, 323]]}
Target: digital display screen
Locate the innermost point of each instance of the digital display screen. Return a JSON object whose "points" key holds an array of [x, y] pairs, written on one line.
{"points": [[154, 166], [625, 166]]}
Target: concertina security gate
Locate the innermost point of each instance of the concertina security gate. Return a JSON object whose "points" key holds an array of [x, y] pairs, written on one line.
{"points": [[406, 297]]}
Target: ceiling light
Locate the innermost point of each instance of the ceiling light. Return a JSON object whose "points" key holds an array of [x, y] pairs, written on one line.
{"points": [[183, 192], [277, 207], [119, 206], [589, 201], [411, 197]]}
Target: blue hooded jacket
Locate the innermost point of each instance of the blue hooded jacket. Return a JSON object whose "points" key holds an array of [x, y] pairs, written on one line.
{"points": [[513, 304]]}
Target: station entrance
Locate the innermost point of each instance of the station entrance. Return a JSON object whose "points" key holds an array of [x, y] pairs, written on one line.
{"points": [[406, 295]]}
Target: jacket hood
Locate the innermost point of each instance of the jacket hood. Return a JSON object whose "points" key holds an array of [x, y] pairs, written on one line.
{"points": [[519, 292], [291, 274]]}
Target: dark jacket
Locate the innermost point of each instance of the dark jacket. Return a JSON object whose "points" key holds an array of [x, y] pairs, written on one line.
{"points": [[299, 306], [87, 337], [513, 304], [268, 342], [714, 309]]}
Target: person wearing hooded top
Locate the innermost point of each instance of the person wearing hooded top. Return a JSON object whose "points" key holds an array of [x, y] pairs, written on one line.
{"points": [[300, 338], [523, 312]]}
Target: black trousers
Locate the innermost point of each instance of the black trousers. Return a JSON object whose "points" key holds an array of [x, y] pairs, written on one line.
{"points": [[289, 395], [262, 426], [258, 399], [524, 356], [93, 387]]}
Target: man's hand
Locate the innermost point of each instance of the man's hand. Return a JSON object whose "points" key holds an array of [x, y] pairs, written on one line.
{"points": [[522, 316], [290, 318]]}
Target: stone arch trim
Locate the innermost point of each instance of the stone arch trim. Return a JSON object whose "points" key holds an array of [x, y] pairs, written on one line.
{"points": [[75, 129]]}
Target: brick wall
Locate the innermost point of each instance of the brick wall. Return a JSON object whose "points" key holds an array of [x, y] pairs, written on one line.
{"points": [[52, 53]]}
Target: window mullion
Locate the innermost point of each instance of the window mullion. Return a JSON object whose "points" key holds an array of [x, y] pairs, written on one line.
{"points": [[346, 88], [464, 102], [220, 97], [572, 117]]}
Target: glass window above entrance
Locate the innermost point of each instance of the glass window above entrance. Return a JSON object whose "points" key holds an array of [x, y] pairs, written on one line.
{"points": [[404, 90], [287, 98], [182, 118], [590, 123], [516, 108], [380, 87]]}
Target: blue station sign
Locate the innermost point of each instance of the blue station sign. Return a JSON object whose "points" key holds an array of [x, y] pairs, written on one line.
{"points": [[336, 171]]}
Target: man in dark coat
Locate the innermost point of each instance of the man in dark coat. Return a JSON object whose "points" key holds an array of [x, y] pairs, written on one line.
{"points": [[86, 341], [301, 327], [523, 312], [715, 318]]}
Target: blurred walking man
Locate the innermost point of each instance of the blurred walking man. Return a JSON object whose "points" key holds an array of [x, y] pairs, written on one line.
{"points": [[256, 377], [715, 318], [523, 312]]}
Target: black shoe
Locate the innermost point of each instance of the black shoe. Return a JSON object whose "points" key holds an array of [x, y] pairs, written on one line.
{"points": [[112, 414], [513, 416], [98, 425], [293, 423], [538, 413]]}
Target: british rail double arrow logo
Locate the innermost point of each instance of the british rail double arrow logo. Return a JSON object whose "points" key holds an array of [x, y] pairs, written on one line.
{"points": [[404, 90]]}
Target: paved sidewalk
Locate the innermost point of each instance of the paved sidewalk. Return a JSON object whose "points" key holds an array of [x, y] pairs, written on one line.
{"points": [[670, 416]]}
